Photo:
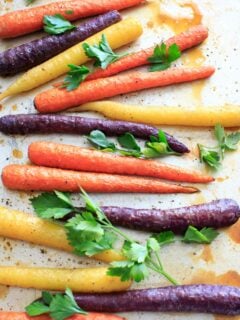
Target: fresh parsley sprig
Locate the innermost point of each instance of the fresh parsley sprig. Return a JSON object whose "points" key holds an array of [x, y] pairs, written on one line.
{"points": [[90, 232], [75, 76], [58, 306], [157, 146], [101, 53], [57, 24], [28, 2], [163, 57], [226, 142], [203, 236]]}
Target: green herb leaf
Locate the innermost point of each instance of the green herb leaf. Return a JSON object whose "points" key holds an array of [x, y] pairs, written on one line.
{"points": [[98, 139], [28, 2], [37, 308], [59, 306], [153, 244], [102, 53], [164, 238], [86, 226], [64, 306], [128, 141], [130, 153], [75, 77], [210, 157], [163, 57], [57, 24], [52, 205], [206, 235], [121, 269], [134, 251], [226, 142]]}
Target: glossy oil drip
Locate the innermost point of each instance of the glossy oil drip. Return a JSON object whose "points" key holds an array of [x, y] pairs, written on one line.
{"points": [[176, 24], [234, 232]]}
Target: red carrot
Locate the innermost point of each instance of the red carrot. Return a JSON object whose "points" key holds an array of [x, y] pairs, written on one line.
{"points": [[58, 99], [23, 316], [184, 40], [25, 177], [25, 21], [63, 156]]}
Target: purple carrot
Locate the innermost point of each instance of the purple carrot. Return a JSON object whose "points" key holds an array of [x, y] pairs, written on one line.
{"points": [[190, 298], [35, 123], [28, 55], [215, 214]]}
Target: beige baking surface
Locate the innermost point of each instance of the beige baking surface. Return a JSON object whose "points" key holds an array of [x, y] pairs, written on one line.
{"points": [[217, 263]]}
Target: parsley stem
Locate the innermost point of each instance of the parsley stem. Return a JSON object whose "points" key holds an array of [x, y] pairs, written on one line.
{"points": [[119, 232], [161, 271]]}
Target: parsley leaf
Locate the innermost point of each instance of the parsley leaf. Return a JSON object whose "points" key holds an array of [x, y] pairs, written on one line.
{"points": [[135, 251], [57, 24], [52, 205], [205, 235], [75, 77], [37, 308], [209, 156], [102, 53], [59, 306], [164, 238], [163, 57], [28, 2], [226, 142], [128, 141], [64, 306], [156, 147], [98, 139]]}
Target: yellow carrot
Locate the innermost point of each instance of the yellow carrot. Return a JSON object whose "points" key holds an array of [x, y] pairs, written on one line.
{"points": [[26, 227], [117, 35], [227, 115], [90, 280]]}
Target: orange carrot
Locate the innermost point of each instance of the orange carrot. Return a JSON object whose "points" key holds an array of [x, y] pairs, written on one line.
{"points": [[25, 177], [64, 156], [23, 316], [25, 21], [58, 99], [184, 40]]}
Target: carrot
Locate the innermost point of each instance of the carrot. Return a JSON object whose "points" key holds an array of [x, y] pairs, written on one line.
{"points": [[88, 280], [228, 115], [25, 177], [25, 21], [74, 158], [58, 99], [184, 40], [5, 315], [117, 35], [26, 227]]}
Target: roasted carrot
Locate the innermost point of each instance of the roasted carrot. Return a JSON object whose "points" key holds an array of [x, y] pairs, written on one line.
{"points": [[5, 315], [25, 21], [86, 280], [58, 99], [25, 177], [64, 156], [117, 35], [27, 227], [184, 40], [228, 115]]}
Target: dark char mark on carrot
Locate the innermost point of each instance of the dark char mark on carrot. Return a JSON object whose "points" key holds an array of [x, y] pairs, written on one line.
{"points": [[34, 123], [188, 298], [28, 55]]}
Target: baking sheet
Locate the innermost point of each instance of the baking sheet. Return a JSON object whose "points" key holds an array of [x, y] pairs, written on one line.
{"points": [[217, 263]]}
